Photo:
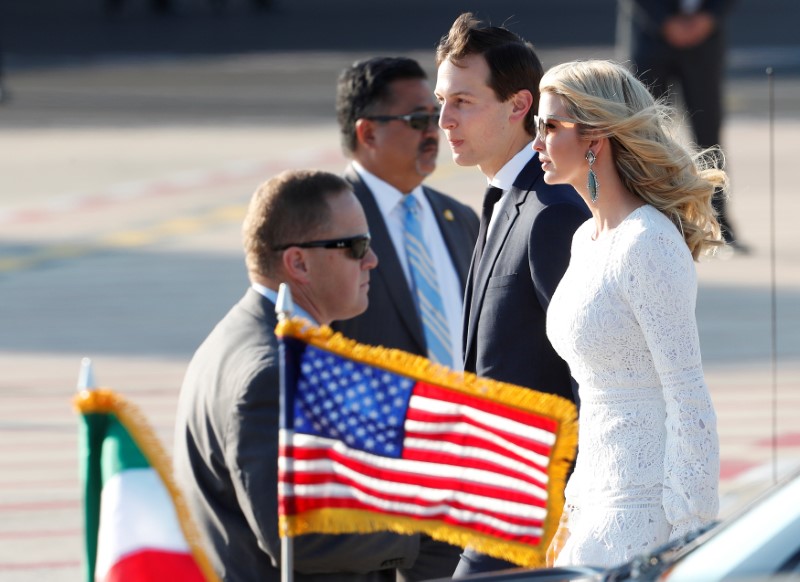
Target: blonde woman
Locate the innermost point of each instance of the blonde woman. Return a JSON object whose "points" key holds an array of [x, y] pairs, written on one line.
{"points": [[623, 316]]}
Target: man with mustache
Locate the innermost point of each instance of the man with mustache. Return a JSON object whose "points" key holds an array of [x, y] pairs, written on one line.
{"points": [[388, 124]]}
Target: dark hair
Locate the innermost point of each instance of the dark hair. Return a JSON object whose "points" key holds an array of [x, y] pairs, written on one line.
{"points": [[365, 84], [291, 207], [513, 63]]}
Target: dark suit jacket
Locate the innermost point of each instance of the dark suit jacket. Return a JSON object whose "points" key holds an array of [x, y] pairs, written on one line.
{"points": [[226, 454], [699, 70], [526, 255], [650, 15], [391, 320]]}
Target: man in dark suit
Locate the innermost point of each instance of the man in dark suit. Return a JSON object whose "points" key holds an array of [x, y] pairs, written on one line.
{"points": [[488, 88], [305, 229], [388, 124]]}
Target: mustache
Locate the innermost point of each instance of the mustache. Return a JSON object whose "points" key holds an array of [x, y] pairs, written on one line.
{"points": [[429, 142]]}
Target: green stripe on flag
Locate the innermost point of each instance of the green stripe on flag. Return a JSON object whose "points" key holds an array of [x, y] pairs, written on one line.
{"points": [[107, 448], [120, 452]]}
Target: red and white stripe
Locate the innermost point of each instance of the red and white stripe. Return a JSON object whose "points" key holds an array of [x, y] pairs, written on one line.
{"points": [[140, 537], [466, 461]]}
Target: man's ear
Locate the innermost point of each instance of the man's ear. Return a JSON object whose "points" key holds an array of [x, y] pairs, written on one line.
{"points": [[521, 103], [295, 265], [365, 132]]}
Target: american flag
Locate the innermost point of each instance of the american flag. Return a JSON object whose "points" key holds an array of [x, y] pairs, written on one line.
{"points": [[365, 443]]}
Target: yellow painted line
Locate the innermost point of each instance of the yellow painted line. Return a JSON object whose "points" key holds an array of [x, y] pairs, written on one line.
{"points": [[230, 213], [127, 238], [130, 238], [181, 226]]}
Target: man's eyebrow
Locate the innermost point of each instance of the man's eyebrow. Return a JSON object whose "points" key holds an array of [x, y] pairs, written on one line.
{"points": [[457, 93]]}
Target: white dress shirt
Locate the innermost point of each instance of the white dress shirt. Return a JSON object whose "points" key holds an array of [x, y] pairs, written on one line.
{"points": [[390, 203], [504, 179], [273, 296]]}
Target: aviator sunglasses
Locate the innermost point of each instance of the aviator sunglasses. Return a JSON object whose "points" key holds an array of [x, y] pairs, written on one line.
{"points": [[419, 120], [357, 246], [541, 123]]}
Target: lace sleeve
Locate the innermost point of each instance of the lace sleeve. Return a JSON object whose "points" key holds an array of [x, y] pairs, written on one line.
{"points": [[661, 283]]}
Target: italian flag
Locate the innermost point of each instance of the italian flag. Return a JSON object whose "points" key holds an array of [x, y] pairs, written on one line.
{"points": [[137, 525]]}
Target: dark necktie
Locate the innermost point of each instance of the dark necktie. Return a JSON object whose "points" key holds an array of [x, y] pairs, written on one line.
{"points": [[493, 194]]}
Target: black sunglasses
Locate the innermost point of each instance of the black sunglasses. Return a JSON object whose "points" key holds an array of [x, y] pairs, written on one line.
{"points": [[420, 120], [357, 246]]}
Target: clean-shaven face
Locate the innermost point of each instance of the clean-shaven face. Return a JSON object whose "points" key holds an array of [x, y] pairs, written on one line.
{"points": [[476, 123], [340, 282], [562, 151]]}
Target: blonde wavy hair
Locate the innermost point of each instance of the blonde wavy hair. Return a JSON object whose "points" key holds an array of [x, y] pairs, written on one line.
{"points": [[677, 179]]}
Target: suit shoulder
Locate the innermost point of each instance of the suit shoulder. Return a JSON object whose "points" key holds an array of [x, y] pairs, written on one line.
{"points": [[443, 200], [551, 194], [559, 216]]}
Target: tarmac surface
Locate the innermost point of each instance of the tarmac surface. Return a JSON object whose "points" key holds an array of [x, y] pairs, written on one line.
{"points": [[124, 175]]}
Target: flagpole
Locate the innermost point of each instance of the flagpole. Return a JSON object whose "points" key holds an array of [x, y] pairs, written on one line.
{"points": [[284, 308], [90, 475], [86, 375]]}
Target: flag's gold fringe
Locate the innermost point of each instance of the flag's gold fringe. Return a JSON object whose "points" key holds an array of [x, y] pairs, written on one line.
{"points": [[106, 401], [555, 407], [344, 521]]}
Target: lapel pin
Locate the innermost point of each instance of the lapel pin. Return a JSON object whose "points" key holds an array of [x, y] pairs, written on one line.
{"points": [[448, 215]]}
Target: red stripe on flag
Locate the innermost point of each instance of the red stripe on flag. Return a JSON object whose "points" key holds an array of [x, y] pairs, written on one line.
{"points": [[513, 440], [427, 456], [155, 565], [479, 443], [500, 409], [291, 479], [419, 415], [305, 504], [394, 476]]}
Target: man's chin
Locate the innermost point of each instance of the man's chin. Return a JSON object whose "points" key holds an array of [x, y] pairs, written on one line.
{"points": [[463, 161], [426, 163]]}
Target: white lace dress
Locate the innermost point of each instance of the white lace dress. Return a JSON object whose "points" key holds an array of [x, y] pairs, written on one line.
{"points": [[623, 317]]}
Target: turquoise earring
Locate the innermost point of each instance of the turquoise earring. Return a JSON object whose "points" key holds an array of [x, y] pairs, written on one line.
{"points": [[592, 183]]}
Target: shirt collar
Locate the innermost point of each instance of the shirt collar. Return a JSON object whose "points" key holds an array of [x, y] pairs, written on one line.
{"points": [[504, 179], [273, 296], [386, 196]]}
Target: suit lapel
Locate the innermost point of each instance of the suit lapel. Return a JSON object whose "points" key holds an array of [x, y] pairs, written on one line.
{"points": [[446, 227], [389, 268], [509, 208]]}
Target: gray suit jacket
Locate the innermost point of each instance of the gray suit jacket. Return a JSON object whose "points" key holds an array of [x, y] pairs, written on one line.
{"points": [[225, 458], [526, 254], [391, 320]]}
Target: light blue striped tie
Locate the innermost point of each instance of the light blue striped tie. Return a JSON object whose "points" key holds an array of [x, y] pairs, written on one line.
{"points": [[426, 287]]}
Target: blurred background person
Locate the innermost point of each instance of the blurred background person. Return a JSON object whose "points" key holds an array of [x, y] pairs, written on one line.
{"points": [[680, 46]]}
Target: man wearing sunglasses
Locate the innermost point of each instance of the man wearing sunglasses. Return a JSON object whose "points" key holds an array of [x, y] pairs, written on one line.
{"points": [[488, 89], [388, 127], [305, 229]]}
